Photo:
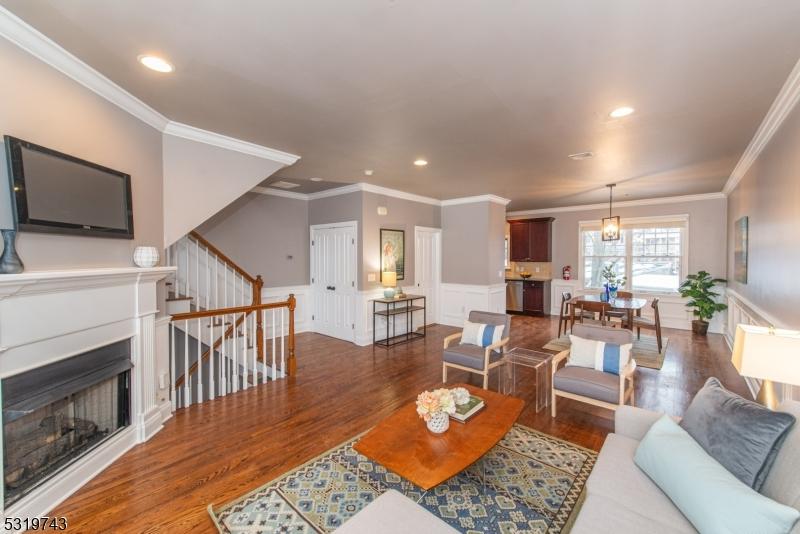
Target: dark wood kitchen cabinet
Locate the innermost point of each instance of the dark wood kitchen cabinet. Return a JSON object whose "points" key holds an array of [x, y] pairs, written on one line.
{"points": [[533, 297], [531, 239]]}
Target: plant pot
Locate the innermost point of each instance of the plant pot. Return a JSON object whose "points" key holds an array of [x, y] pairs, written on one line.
{"points": [[439, 422], [700, 327]]}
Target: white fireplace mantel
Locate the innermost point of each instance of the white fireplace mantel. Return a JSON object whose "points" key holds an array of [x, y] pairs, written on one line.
{"points": [[47, 316]]}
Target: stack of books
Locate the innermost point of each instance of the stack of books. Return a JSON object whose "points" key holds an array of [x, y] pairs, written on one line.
{"points": [[465, 411]]}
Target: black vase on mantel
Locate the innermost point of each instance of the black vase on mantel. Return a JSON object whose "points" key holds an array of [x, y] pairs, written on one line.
{"points": [[9, 261]]}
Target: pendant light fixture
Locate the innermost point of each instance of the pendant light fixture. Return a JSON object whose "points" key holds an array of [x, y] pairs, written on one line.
{"points": [[610, 224]]}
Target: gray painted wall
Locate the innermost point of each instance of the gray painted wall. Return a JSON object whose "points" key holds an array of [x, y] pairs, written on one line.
{"points": [[41, 105], [402, 215], [707, 232], [472, 243], [769, 194], [266, 235]]}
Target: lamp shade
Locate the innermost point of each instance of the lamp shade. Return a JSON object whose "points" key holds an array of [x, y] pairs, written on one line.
{"points": [[389, 279], [768, 354]]}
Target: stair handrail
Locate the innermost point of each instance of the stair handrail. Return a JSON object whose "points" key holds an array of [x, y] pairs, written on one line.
{"points": [[224, 257], [290, 303]]}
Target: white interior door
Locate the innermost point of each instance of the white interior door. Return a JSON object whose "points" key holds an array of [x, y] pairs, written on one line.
{"points": [[333, 279], [428, 268]]}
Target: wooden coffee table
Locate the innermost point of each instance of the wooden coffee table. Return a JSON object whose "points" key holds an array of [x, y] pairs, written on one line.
{"points": [[403, 444]]}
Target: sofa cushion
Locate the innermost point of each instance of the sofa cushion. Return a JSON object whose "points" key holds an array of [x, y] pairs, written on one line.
{"points": [[471, 356], [709, 495], [617, 478], [588, 382], [740, 434], [601, 515], [782, 482], [394, 513]]}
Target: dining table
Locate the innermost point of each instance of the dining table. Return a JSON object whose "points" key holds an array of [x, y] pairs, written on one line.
{"points": [[627, 305]]}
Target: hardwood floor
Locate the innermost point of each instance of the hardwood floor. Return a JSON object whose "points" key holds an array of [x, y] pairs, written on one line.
{"points": [[217, 451]]}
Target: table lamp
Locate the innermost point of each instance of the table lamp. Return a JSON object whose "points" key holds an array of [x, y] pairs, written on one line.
{"points": [[389, 281], [768, 354]]}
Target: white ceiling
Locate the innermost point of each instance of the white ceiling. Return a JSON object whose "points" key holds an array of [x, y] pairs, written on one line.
{"points": [[494, 94]]}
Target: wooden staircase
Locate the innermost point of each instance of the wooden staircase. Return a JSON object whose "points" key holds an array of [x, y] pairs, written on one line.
{"points": [[222, 337]]}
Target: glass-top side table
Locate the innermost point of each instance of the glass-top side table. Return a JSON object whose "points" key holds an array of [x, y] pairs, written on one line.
{"points": [[514, 374]]}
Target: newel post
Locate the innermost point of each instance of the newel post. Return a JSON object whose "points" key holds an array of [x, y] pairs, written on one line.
{"points": [[257, 286], [292, 363]]}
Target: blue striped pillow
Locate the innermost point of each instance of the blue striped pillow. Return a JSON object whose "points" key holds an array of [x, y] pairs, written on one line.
{"points": [[480, 334], [598, 355]]}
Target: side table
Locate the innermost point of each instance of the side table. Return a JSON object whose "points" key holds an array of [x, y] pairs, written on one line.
{"points": [[539, 362]]}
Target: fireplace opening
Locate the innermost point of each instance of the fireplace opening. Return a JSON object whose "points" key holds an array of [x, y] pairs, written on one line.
{"points": [[55, 414]]}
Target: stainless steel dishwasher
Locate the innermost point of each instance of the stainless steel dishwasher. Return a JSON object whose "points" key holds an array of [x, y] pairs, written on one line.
{"points": [[514, 295]]}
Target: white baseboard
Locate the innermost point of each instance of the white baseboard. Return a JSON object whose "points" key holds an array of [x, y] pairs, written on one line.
{"points": [[457, 300]]}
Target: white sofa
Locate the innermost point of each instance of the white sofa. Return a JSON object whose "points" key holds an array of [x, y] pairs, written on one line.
{"points": [[394, 513], [620, 498]]}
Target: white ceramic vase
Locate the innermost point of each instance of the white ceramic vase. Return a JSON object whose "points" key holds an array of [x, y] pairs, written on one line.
{"points": [[439, 422], [145, 256]]}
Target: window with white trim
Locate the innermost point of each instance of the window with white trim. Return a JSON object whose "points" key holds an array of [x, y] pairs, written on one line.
{"points": [[650, 254]]}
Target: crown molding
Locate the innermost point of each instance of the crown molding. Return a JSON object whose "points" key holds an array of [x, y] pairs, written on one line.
{"points": [[480, 198], [191, 133], [271, 191], [42, 47], [642, 202], [783, 104], [51, 53], [394, 193], [344, 190]]}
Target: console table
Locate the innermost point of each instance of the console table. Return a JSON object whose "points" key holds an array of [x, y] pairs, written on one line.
{"points": [[390, 309]]}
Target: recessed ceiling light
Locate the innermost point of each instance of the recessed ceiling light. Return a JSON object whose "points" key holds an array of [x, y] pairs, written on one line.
{"points": [[420, 162], [315, 179], [624, 111], [581, 155], [156, 63], [368, 172]]}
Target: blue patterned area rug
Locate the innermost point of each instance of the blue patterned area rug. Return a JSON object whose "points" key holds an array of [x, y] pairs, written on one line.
{"points": [[530, 482]]}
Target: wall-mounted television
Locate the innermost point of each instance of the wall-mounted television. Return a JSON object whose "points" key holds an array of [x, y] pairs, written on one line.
{"points": [[57, 193]]}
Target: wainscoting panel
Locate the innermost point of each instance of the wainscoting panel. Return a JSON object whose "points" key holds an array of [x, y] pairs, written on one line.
{"points": [[459, 299], [302, 312], [742, 311]]}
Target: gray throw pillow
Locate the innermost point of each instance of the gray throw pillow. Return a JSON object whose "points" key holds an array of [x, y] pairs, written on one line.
{"points": [[740, 434]]}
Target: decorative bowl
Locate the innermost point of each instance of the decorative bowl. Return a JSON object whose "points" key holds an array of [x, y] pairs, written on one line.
{"points": [[525, 275]]}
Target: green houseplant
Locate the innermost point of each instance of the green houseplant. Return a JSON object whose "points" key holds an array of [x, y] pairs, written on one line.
{"points": [[699, 289]]}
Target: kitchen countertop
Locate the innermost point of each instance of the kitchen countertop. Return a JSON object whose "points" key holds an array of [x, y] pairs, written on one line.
{"points": [[531, 279]]}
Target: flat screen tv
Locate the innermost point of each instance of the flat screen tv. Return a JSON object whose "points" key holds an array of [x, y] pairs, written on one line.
{"points": [[57, 193]]}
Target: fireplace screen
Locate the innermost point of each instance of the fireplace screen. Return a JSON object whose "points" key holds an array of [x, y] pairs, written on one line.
{"points": [[48, 425]]}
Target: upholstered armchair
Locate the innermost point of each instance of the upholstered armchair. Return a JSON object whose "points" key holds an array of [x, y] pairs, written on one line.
{"points": [[473, 358], [598, 388]]}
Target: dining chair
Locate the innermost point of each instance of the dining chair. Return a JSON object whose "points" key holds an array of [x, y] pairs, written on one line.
{"points": [[652, 324], [583, 308], [620, 314], [565, 313]]}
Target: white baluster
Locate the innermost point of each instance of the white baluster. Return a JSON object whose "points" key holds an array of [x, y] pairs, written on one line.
{"points": [[199, 361], [235, 371], [245, 325], [208, 282], [186, 280], [197, 273], [216, 282], [187, 390], [223, 361], [212, 392], [172, 357], [254, 350], [264, 344], [225, 287], [283, 357], [274, 369]]}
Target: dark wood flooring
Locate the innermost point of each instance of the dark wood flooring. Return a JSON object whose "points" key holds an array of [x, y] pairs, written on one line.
{"points": [[217, 451]]}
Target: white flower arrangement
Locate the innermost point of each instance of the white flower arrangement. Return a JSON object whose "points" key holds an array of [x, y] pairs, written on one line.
{"points": [[460, 395], [432, 402]]}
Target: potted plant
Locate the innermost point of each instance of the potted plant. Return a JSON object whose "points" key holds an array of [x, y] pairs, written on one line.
{"points": [[699, 289], [613, 281]]}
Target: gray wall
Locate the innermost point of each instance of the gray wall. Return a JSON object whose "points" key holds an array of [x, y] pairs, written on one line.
{"points": [[402, 215], [265, 235], [472, 243], [41, 105], [707, 244], [769, 194]]}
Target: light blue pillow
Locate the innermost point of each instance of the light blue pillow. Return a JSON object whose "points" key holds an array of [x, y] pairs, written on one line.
{"points": [[713, 499]]}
